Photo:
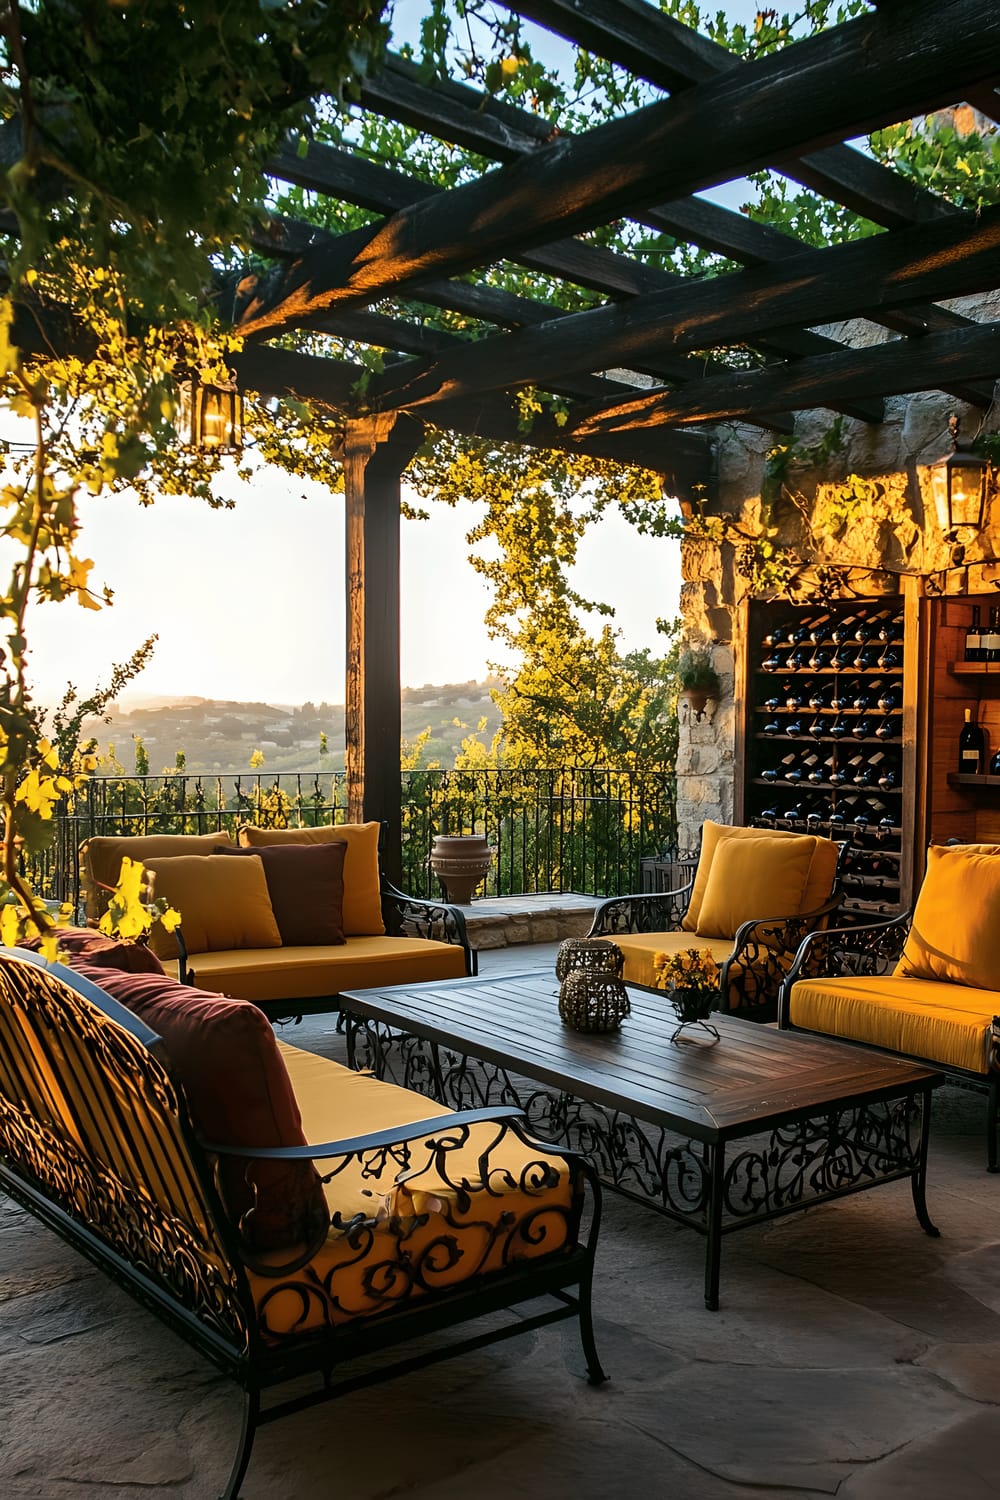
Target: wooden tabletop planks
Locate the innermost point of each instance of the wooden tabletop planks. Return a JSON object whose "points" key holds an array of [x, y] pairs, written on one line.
{"points": [[754, 1076]]}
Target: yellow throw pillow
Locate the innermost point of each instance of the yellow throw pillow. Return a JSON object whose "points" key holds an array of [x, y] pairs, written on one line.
{"points": [[956, 922], [763, 877], [362, 887], [223, 903], [101, 859], [818, 886]]}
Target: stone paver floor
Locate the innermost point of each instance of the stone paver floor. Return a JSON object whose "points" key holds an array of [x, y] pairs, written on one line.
{"points": [[852, 1356]]}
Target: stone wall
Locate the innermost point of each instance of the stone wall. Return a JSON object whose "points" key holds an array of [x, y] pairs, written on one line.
{"points": [[850, 507]]}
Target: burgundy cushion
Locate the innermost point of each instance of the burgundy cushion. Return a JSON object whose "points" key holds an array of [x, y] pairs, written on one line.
{"points": [[306, 885], [82, 945], [224, 1054]]}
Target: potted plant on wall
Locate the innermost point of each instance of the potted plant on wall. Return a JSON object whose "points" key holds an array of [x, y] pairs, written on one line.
{"points": [[697, 678]]}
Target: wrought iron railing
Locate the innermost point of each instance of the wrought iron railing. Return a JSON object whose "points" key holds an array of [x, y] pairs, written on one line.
{"points": [[574, 829]]}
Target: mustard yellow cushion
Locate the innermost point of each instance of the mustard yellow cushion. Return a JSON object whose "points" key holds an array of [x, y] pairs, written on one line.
{"points": [[304, 973], [409, 1215], [101, 860], [223, 903], [819, 884], [639, 949], [956, 922], [935, 1020], [362, 896], [754, 878]]}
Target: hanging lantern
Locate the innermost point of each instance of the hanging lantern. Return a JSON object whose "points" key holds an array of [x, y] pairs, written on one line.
{"points": [[959, 483], [212, 415]]}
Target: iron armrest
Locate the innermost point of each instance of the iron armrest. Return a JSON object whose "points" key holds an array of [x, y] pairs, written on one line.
{"points": [[791, 929], [660, 911], [417, 917], [867, 949], [374, 1139]]}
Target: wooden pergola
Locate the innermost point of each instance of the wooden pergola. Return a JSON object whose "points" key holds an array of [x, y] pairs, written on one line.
{"points": [[644, 375]]}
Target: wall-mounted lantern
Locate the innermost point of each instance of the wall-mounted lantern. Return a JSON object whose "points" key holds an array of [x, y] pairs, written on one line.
{"points": [[212, 415], [960, 484]]}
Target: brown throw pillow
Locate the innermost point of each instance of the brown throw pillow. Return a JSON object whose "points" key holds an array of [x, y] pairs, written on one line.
{"points": [[226, 1058], [79, 945], [306, 885]]}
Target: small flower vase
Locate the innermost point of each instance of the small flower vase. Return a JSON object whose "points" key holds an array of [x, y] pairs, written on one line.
{"points": [[692, 1006]]}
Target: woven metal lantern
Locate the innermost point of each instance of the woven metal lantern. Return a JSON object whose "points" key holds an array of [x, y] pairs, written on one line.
{"points": [[212, 415], [597, 954], [593, 1000]]}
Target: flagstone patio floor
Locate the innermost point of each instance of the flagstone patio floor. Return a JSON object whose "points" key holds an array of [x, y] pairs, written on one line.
{"points": [[852, 1357]]}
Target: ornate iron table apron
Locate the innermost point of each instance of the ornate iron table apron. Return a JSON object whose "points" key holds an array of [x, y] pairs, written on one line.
{"points": [[716, 1137]]}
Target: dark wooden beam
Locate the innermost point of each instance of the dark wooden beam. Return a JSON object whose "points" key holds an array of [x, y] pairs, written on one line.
{"points": [[461, 114], [950, 256], [986, 99], [862, 74], [327, 169], [375, 454], [684, 458], [671, 55], [886, 369]]}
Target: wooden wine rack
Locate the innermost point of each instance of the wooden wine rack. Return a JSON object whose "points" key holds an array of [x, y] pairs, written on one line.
{"points": [[823, 742]]}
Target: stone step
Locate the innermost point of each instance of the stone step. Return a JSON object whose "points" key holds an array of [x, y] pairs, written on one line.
{"points": [[510, 921]]}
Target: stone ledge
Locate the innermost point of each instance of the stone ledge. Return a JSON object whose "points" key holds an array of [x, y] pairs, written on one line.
{"points": [[535, 924]]}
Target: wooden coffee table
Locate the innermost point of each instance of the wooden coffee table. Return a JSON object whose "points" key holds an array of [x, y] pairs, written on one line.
{"points": [[716, 1136]]}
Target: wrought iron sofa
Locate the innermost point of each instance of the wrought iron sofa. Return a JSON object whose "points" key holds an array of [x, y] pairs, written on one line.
{"points": [[924, 985], [741, 871], [177, 1160], [334, 931]]}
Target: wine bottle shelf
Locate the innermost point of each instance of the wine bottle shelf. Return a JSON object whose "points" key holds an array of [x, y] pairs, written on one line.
{"points": [[851, 652], [959, 778]]}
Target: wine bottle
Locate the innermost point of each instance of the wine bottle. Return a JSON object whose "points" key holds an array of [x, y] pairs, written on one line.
{"points": [[844, 656], [799, 634], [773, 726], [990, 641], [794, 699], [837, 729], [818, 773], [843, 693], [841, 633], [890, 629], [776, 699], [864, 631], [836, 775], [860, 700], [772, 663], [974, 638], [888, 699], [777, 636], [819, 659], [799, 659], [971, 747], [886, 730], [814, 820], [861, 729], [995, 764], [818, 697], [890, 660], [794, 726], [866, 658], [818, 727], [887, 780]]}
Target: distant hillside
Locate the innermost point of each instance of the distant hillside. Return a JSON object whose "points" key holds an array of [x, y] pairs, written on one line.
{"points": [[221, 735]]}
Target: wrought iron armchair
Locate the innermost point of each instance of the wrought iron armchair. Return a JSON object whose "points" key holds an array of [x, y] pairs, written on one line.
{"points": [[753, 969]]}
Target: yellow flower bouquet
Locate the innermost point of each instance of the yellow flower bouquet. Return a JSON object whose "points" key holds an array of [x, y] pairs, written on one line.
{"points": [[691, 978]]}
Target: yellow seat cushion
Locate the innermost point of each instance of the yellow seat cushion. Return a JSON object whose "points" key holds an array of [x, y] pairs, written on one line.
{"points": [[362, 888], [639, 949], [223, 903], [413, 1231], [942, 1022], [955, 934], [818, 886], [101, 860], [307, 972], [753, 878]]}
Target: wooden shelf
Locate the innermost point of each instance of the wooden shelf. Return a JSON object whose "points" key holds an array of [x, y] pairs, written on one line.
{"points": [[977, 669], [958, 778]]}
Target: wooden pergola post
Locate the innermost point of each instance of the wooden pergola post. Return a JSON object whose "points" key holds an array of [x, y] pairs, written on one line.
{"points": [[376, 451]]}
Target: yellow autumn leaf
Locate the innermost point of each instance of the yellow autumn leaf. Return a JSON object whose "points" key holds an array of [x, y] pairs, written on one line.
{"points": [[10, 926]]}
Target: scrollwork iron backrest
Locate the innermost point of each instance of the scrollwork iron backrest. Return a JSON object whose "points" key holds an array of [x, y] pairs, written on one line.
{"points": [[90, 1117]]}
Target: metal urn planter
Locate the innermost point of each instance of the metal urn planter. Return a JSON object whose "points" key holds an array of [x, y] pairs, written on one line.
{"points": [[461, 862]]}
